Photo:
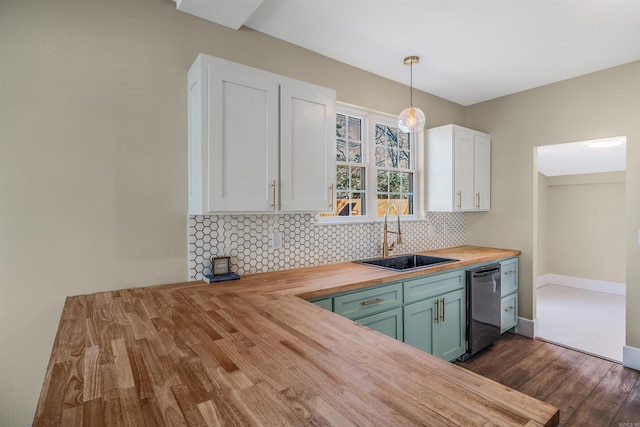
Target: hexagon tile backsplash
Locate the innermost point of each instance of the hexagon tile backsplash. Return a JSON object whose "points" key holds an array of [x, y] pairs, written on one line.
{"points": [[306, 242]]}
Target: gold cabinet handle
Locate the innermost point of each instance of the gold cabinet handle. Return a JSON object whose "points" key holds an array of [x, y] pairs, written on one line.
{"points": [[478, 205], [509, 272], [442, 317], [509, 309], [373, 301], [437, 311], [273, 188], [459, 199], [331, 197]]}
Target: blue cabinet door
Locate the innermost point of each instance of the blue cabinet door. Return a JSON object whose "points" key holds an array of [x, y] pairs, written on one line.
{"points": [[437, 325], [451, 326], [419, 324], [388, 322], [326, 303]]}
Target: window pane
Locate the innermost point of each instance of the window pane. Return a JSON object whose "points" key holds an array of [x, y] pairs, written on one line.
{"points": [[403, 162], [391, 160], [380, 156], [341, 125], [357, 178], [355, 128], [404, 141], [383, 182], [355, 152], [342, 177], [404, 182], [382, 204], [381, 138], [349, 204], [392, 136], [341, 150], [358, 204], [394, 182]]}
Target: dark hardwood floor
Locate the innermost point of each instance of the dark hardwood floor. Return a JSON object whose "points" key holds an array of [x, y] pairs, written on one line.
{"points": [[587, 390]]}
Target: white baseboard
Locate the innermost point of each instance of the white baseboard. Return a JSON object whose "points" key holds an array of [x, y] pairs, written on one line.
{"points": [[631, 357], [527, 328], [577, 282]]}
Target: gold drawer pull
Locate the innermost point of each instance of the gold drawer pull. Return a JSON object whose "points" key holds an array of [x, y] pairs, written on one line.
{"points": [[509, 309], [437, 312], [373, 301], [442, 316], [509, 272]]}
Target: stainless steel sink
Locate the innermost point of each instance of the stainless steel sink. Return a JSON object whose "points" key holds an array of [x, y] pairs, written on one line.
{"points": [[405, 262]]}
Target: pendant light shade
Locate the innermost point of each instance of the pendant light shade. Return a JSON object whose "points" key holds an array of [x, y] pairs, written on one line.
{"points": [[411, 119]]}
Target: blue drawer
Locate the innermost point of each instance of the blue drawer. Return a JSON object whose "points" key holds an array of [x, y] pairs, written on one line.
{"points": [[431, 286], [370, 301]]}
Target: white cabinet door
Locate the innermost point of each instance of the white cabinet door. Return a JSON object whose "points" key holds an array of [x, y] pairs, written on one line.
{"points": [[307, 147], [463, 170], [482, 172], [258, 142], [458, 169], [243, 142]]}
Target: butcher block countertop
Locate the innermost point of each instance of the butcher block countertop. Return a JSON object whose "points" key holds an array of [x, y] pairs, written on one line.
{"points": [[253, 352]]}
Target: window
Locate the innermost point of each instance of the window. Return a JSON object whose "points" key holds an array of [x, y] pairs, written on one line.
{"points": [[350, 172], [394, 175], [374, 165]]}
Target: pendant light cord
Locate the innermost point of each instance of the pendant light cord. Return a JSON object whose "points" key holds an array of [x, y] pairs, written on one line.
{"points": [[411, 84]]}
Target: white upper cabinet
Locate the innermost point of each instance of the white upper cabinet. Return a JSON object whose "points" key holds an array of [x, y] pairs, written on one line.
{"points": [[258, 142], [458, 169], [307, 144]]}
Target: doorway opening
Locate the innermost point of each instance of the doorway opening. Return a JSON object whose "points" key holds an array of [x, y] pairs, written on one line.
{"points": [[580, 254]]}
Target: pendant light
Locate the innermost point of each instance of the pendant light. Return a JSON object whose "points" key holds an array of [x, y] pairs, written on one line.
{"points": [[411, 119]]}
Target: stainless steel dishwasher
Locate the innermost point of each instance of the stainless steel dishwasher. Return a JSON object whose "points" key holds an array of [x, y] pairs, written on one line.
{"points": [[483, 308]]}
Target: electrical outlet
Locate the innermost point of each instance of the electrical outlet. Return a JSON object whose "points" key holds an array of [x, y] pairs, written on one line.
{"points": [[275, 240], [431, 230], [638, 237]]}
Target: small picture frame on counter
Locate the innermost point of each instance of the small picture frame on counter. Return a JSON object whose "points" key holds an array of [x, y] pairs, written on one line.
{"points": [[220, 271], [220, 266]]}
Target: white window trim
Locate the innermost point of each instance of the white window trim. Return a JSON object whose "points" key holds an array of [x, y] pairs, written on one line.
{"points": [[368, 118]]}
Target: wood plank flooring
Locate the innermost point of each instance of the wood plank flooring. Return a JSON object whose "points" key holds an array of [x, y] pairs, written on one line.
{"points": [[587, 390]]}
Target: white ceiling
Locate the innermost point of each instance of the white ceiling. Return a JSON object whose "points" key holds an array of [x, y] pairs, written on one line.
{"points": [[470, 50], [578, 158]]}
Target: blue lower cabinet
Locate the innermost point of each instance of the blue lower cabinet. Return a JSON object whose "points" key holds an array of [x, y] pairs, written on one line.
{"points": [[419, 324], [437, 325], [427, 312], [388, 322], [509, 317], [326, 303], [451, 328]]}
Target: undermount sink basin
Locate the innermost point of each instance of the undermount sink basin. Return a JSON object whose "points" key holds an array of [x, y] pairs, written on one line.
{"points": [[405, 262]]}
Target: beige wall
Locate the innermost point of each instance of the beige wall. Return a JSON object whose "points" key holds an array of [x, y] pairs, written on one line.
{"points": [[93, 165], [585, 220], [597, 105], [93, 156], [541, 206]]}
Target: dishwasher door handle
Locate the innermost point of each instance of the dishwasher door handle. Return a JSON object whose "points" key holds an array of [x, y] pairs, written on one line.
{"points": [[486, 273]]}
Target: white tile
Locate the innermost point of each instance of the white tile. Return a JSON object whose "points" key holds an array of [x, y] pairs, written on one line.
{"points": [[585, 320]]}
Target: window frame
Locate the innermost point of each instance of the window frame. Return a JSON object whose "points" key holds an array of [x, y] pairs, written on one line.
{"points": [[369, 119]]}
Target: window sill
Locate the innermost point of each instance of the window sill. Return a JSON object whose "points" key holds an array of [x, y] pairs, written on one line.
{"points": [[365, 220]]}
